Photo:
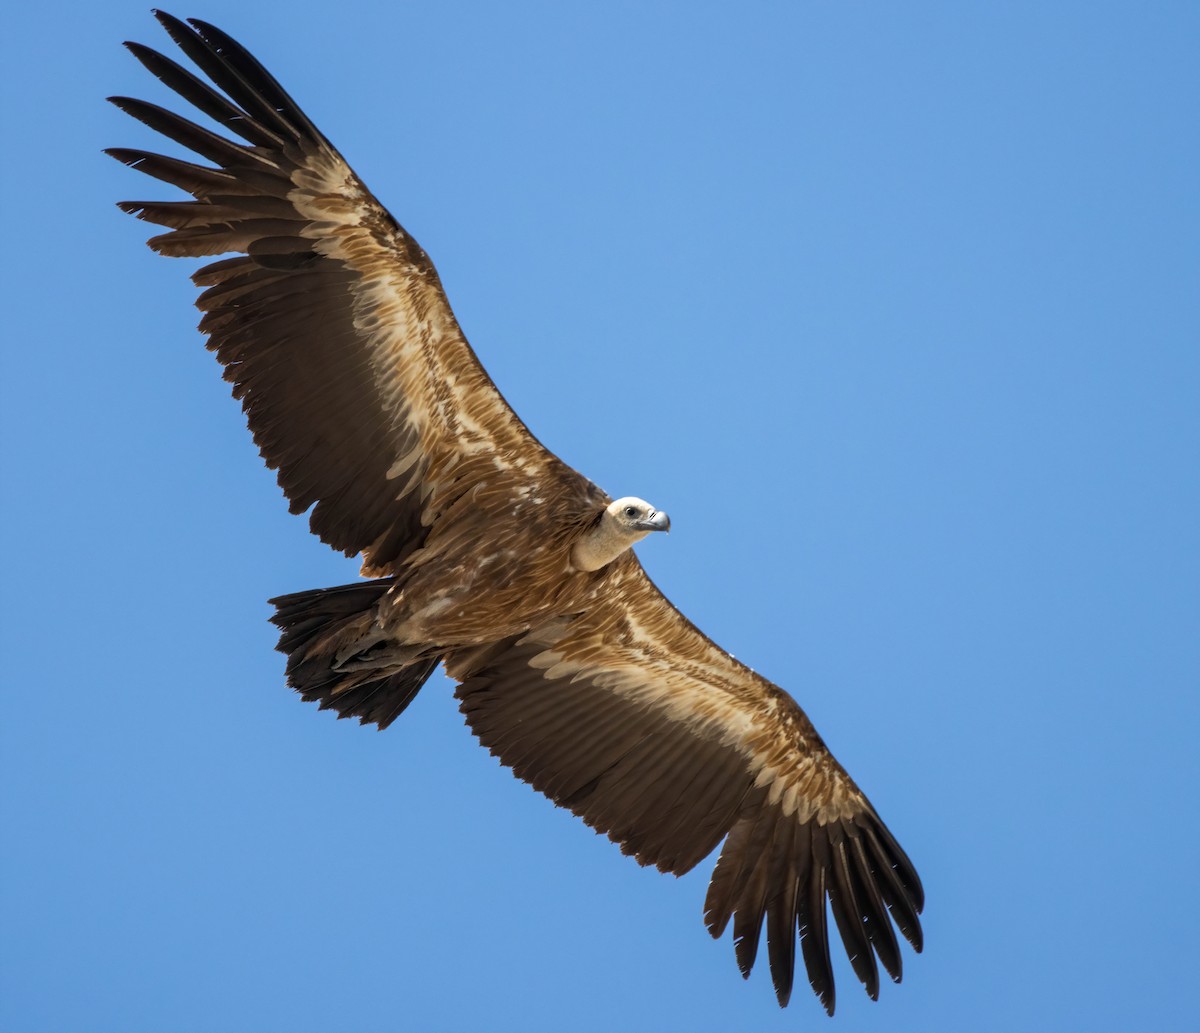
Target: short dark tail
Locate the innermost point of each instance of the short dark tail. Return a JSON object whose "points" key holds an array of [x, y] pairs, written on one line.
{"points": [[314, 625]]}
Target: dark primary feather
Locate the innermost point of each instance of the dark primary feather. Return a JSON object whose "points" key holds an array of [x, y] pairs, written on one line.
{"points": [[246, 82], [202, 96], [203, 141]]}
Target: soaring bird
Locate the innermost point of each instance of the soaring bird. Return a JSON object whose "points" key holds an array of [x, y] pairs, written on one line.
{"points": [[484, 551]]}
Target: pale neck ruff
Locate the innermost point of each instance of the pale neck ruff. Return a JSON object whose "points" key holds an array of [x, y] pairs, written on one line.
{"points": [[601, 546]]}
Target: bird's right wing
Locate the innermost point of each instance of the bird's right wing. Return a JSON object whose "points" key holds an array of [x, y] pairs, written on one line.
{"points": [[632, 718]]}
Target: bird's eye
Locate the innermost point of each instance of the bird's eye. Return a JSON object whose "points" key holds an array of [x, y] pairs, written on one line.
{"points": [[630, 511]]}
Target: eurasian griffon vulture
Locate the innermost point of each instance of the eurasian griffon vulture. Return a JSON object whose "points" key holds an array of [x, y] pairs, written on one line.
{"points": [[487, 553]]}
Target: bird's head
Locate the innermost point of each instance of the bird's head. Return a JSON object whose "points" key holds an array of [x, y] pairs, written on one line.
{"points": [[622, 524], [636, 517]]}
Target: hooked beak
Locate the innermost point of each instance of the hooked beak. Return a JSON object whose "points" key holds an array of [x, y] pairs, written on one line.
{"points": [[656, 521]]}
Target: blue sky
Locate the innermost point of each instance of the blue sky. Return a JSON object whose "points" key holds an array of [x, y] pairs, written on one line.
{"points": [[902, 301]]}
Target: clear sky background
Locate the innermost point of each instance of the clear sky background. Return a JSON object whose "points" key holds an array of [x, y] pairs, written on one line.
{"points": [[893, 307]]}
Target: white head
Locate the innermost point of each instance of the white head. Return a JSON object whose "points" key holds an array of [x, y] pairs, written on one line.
{"points": [[622, 524]]}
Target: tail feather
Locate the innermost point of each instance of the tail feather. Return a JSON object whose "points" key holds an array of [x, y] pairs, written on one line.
{"points": [[315, 624]]}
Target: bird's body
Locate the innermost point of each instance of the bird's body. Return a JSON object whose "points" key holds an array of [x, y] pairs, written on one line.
{"points": [[488, 554]]}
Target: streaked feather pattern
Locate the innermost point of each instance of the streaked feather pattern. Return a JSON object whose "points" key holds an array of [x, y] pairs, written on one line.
{"points": [[362, 393]]}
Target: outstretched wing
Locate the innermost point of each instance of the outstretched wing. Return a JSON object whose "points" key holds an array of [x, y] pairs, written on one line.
{"points": [[633, 719], [331, 322]]}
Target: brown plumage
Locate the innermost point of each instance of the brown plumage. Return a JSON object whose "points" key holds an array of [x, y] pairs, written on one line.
{"points": [[488, 553]]}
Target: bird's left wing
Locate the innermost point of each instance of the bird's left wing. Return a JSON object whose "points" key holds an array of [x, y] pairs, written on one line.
{"points": [[330, 321], [632, 718]]}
